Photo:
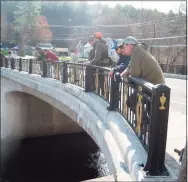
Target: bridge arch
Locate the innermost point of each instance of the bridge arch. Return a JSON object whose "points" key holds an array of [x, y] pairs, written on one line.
{"points": [[81, 114]]}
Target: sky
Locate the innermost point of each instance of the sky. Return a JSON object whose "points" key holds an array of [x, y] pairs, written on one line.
{"points": [[163, 6]]}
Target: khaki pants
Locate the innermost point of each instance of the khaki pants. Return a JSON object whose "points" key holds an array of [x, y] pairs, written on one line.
{"points": [[56, 71]]}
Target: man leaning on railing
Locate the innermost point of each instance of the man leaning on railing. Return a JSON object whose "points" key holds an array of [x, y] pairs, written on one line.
{"points": [[142, 65], [51, 57], [122, 63], [99, 56]]}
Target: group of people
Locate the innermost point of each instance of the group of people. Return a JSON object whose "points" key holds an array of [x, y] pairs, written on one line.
{"points": [[46, 55], [134, 59]]}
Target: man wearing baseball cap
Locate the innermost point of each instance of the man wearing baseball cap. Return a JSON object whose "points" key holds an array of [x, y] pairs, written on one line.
{"points": [[100, 50], [142, 63], [98, 56], [123, 61]]}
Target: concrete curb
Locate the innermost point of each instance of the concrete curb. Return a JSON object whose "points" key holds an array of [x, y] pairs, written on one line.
{"points": [[175, 76]]}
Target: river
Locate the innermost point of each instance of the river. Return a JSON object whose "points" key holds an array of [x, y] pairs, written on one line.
{"points": [[60, 158]]}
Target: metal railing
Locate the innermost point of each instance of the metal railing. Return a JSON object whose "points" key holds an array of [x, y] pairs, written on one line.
{"points": [[144, 106], [174, 68]]}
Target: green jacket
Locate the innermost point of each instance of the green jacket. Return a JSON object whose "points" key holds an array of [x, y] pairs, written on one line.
{"points": [[145, 66], [41, 57]]}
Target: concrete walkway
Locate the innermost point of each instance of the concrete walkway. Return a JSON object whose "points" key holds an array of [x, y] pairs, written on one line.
{"points": [[176, 139], [176, 136]]}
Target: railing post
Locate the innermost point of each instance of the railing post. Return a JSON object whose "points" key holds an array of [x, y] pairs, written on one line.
{"points": [[20, 64], [6, 63], [2, 61], [88, 78], [12, 63], [30, 66], [114, 95], [184, 70], [65, 73], [44, 68], [155, 165]]}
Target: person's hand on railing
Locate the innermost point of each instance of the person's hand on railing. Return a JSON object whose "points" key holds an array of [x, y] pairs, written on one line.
{"points": [[111, 73], [125, 80], [125, 73]]}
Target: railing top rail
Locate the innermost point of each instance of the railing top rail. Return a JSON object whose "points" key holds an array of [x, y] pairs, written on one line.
{"points": [[143, 83], [72, 63], [172, 64], [101, 68], [54, 62]]}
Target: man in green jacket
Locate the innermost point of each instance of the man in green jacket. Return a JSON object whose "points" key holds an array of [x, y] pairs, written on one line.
{"points": [[142, 63], [41, 55]]}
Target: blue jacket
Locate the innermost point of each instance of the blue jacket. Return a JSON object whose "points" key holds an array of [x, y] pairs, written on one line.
{"points": [[123, 62]]}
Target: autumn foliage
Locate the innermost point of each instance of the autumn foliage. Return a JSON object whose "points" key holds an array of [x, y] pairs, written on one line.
{"points": [[42, 28]]}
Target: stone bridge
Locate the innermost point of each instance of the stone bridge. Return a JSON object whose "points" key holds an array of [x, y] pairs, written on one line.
{"points": [[36, 106]]}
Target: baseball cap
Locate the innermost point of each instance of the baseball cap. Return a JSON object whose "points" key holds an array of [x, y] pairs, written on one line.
{"points": [[120, 43], [98, 35], [130, 40]]}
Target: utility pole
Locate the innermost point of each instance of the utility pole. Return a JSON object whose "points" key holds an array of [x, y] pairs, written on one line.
{"points": [[142, 18]]}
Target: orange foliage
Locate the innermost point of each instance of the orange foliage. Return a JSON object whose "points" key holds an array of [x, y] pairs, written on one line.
{"points": [[42, 28]]}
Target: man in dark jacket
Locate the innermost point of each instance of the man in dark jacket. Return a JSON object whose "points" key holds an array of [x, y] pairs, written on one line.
{"points": [[99, 57], [99, 54], [124, 60]]}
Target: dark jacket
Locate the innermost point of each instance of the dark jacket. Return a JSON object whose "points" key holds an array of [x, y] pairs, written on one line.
{"points": [[99, 53], [123, 62], [91, 54]]}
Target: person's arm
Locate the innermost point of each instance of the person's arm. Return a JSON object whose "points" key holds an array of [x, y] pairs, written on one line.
{"points": [[126, 72], [38, 57], [47, 57], [98, 54], [90, 54], [119, 61]]}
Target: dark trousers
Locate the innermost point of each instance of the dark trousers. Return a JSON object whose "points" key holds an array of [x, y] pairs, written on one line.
{"points": [[131, 103], [100, 80]]}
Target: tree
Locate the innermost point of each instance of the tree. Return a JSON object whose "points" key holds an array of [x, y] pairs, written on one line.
{"points": [[42, 32], [25, 21], [4, 28]]}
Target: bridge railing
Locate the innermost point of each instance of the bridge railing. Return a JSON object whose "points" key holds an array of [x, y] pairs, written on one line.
{"points": [[75, 74], [144, 106], [98, 81], [174, 68]]}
